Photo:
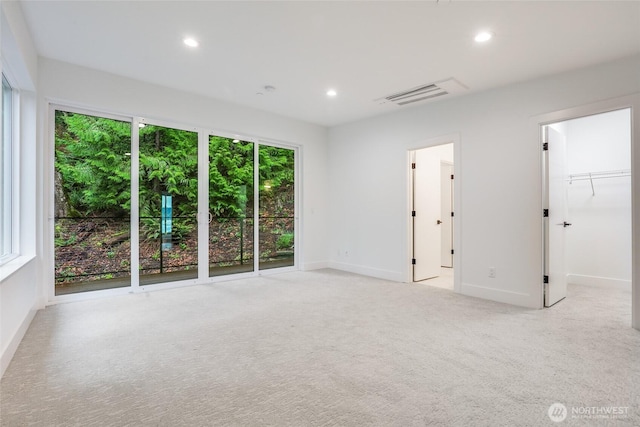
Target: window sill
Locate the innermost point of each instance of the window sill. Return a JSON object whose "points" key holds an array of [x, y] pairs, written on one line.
{"points": [[9, 268]]}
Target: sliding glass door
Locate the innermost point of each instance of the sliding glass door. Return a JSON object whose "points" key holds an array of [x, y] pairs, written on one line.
{"points": [[231, 199], [92, 182], [277, 207], [168, 204], [248, 223], [232, 206]]}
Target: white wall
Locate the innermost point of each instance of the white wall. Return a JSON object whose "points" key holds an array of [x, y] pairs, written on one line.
{"points": [[19, 278], [498, 180], [599, 241]]}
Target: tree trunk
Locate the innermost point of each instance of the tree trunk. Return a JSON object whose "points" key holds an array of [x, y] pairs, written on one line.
{"points": [[156, 181], [61, 207]]}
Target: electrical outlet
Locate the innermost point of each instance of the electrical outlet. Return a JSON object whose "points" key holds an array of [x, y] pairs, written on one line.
{"points": [[492, 272]]}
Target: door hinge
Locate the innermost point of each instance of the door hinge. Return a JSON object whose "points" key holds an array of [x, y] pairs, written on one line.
{"points": [[545, 213], [451, 251], [545, 146], [413, 261], [545, 279], [413, 165], [451, 176], [451, 213], [413, 213]]}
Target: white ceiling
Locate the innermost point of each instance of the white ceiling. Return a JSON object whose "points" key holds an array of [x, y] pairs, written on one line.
{"points": [[365, 50]]}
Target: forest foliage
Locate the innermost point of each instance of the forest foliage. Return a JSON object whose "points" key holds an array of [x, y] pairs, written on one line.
{"points": [[93, 170]]}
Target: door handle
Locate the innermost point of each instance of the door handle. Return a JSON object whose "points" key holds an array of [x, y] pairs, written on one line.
{"points": [[566, 224], [438, 222]]}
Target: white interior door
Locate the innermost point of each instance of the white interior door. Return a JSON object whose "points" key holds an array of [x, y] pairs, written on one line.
{"points": [[446, 207], [557, 220], [426, 221]]}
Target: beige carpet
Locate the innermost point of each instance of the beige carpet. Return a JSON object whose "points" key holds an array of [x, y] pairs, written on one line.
{"points": [[323, 348]]}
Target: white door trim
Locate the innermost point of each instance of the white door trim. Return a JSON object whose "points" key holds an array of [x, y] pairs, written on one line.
{"points": [[447, 219]]}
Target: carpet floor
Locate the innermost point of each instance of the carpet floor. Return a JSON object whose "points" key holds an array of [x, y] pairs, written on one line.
{"points": [[325, 348]]}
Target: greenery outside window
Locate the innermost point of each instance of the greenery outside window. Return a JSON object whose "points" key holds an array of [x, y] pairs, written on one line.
{"points": [[92, 203], [126, 204]]}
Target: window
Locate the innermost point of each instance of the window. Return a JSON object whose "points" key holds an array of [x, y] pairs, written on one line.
{"points": [[276, 217], [6, 182], [128, 195], [168, 204], [92, 181]]}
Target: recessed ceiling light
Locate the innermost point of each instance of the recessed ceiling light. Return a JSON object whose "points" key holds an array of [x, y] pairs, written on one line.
{"points": [[483, 36], [332, 93], [191, 42]]}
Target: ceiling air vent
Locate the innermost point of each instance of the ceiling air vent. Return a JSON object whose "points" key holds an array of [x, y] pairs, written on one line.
{"points": [[424, 92]]}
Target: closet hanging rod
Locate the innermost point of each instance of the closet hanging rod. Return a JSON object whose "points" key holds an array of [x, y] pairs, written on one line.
{"points": [[590, 176], [599, 175]]}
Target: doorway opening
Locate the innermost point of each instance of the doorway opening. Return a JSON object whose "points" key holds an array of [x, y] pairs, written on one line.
{"points": [[432, 213], [587, 204]]}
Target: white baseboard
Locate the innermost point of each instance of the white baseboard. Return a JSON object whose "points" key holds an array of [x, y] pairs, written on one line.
{"points": [[394, 276], [500, 295], [10, 350], [317, 265], [600, 282]]}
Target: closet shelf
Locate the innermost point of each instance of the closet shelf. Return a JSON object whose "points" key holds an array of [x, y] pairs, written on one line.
{"points": [[590, 176]]}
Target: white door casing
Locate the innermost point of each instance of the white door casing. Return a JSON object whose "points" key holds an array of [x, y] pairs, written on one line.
{"points": [[446, 193]]}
